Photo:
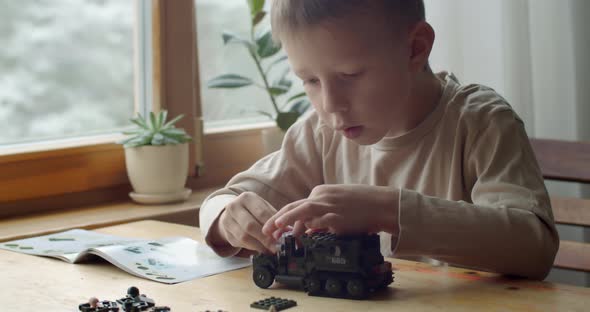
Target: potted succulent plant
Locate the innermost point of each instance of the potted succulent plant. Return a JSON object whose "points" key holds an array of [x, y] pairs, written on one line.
{"points": [[264, 53], [156, 157]]}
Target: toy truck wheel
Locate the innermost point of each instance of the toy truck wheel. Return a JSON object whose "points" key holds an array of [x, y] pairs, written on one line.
{"points": [[263, 277], [356, 288], [333, 287], [314, 285]]}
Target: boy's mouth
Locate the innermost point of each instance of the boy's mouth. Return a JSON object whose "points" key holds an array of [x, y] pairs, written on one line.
{"points": [[352, 132]]}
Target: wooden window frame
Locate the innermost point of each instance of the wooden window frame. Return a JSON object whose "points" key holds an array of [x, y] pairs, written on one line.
{"points": [[92, 171]]}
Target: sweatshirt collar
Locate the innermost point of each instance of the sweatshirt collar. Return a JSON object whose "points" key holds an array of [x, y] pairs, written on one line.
{"points": [[449, 82]]}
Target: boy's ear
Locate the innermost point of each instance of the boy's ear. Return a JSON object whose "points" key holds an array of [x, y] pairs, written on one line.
{"points": [[421, 42]]}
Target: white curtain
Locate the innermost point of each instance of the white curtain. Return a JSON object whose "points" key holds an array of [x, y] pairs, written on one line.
{"points": [[536, 53]]}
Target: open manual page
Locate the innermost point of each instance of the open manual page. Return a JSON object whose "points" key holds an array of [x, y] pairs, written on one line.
{"points": [[168, 260]]}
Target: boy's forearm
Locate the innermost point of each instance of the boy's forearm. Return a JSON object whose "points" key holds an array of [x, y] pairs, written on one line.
{"points": [[215, 236], [388, 218], [210, 213], [508, 240], [217, 240]]}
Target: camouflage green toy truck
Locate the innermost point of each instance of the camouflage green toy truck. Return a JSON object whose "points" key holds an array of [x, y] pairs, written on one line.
{"points": [[325, 264]]}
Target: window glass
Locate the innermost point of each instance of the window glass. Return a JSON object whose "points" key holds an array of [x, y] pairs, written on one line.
{"points": [[224, 107], [66, 68]]}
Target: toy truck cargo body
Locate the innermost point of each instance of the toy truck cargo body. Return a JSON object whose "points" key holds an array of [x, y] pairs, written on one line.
{"points": [[326, 264]]}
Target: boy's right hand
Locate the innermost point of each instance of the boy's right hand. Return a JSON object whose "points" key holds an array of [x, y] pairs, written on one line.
{"points": [[240, 224]]}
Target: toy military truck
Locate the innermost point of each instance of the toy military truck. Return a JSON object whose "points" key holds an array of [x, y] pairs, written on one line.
{"points": [[326, 264]]}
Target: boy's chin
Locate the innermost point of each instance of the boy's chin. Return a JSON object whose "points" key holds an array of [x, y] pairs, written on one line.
{"points": [[365, 140]]}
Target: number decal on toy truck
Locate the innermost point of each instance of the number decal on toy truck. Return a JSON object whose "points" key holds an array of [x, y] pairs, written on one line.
{"points": [[337, 260]]}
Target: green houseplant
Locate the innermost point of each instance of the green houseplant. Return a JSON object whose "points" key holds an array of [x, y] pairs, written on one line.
{"points": [[155, 131], [156, 157], [262, 49]]}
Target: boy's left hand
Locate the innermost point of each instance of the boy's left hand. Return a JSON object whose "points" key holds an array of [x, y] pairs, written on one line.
{"points": [[339, 208]]}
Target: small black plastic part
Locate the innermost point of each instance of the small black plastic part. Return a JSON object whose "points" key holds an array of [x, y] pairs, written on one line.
{"points": [[278, 303]]}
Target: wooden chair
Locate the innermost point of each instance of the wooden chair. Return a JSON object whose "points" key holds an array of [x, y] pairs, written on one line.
{"points": [[567, 161]]}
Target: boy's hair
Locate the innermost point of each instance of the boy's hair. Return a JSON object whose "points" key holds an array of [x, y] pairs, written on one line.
{"points": [[290, 15]]}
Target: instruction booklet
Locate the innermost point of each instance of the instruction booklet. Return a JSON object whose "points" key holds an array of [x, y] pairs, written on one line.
{"points": [[168, 260]]}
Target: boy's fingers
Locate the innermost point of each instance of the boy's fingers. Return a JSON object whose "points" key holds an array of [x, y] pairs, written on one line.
{"points": [[249, 227], [269, 226], [249, 242], [239, 238], [261, 210], [232, 227], [255, 205], [254, 229], [277, 233], [303, 212], [331, 221], [298, 228]]}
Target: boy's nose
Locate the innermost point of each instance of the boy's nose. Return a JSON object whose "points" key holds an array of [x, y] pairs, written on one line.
{"points": [[333, 101]]}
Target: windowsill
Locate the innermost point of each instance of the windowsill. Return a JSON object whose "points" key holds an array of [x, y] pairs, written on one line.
{"points": [[92, 174], [100, 216], [237, 129], [60, 146]]}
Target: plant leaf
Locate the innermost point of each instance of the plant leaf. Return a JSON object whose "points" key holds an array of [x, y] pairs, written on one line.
{"points": [[170, 140], [229, 37], [157, 139], [139, 121], [275, 62], [296, 96], [175, 135], [153, 123], [266, 46], [283, 75], [229, 81], [172, 122], [139, 141], [300, 106], [178, 138], [286, 119], [125, 141], [278, 90], [162, 118], [258, 18], [178, 134], [174, 131], [282, 82], [133, 132], [265, 114], [255, 6], [284, 85]]}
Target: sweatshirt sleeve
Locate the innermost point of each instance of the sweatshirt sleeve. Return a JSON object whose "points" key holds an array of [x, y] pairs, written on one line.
{"points": [[280, 178], [507, 228]]}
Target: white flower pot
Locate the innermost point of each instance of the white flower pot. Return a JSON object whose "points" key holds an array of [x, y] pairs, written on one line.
{"points": [[158, 173], [272, 139]]}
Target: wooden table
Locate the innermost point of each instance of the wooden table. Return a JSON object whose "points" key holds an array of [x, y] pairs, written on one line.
{"points": [[31, 283]]}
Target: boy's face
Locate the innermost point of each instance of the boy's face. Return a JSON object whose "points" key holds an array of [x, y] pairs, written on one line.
{"points": [[356, 73]]}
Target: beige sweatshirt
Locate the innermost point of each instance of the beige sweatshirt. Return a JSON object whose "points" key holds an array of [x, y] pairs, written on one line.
{"points": [[471, 191]]}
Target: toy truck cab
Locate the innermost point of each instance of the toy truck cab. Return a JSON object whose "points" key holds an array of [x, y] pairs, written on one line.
{"points": [[326, 264]]}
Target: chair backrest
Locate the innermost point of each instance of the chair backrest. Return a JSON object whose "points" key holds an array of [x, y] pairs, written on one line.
{"points": [[567, 161]]}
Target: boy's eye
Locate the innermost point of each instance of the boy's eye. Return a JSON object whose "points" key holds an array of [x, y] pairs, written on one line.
{"points": [[351, 75], [311, 81]]}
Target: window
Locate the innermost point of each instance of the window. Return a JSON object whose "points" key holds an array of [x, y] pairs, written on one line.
{"points": [[70, 71], [230, 107], [92, 170], [67, 68]]}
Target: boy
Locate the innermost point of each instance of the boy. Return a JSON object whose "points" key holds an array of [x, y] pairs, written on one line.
{"points": [[439, 169]]}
